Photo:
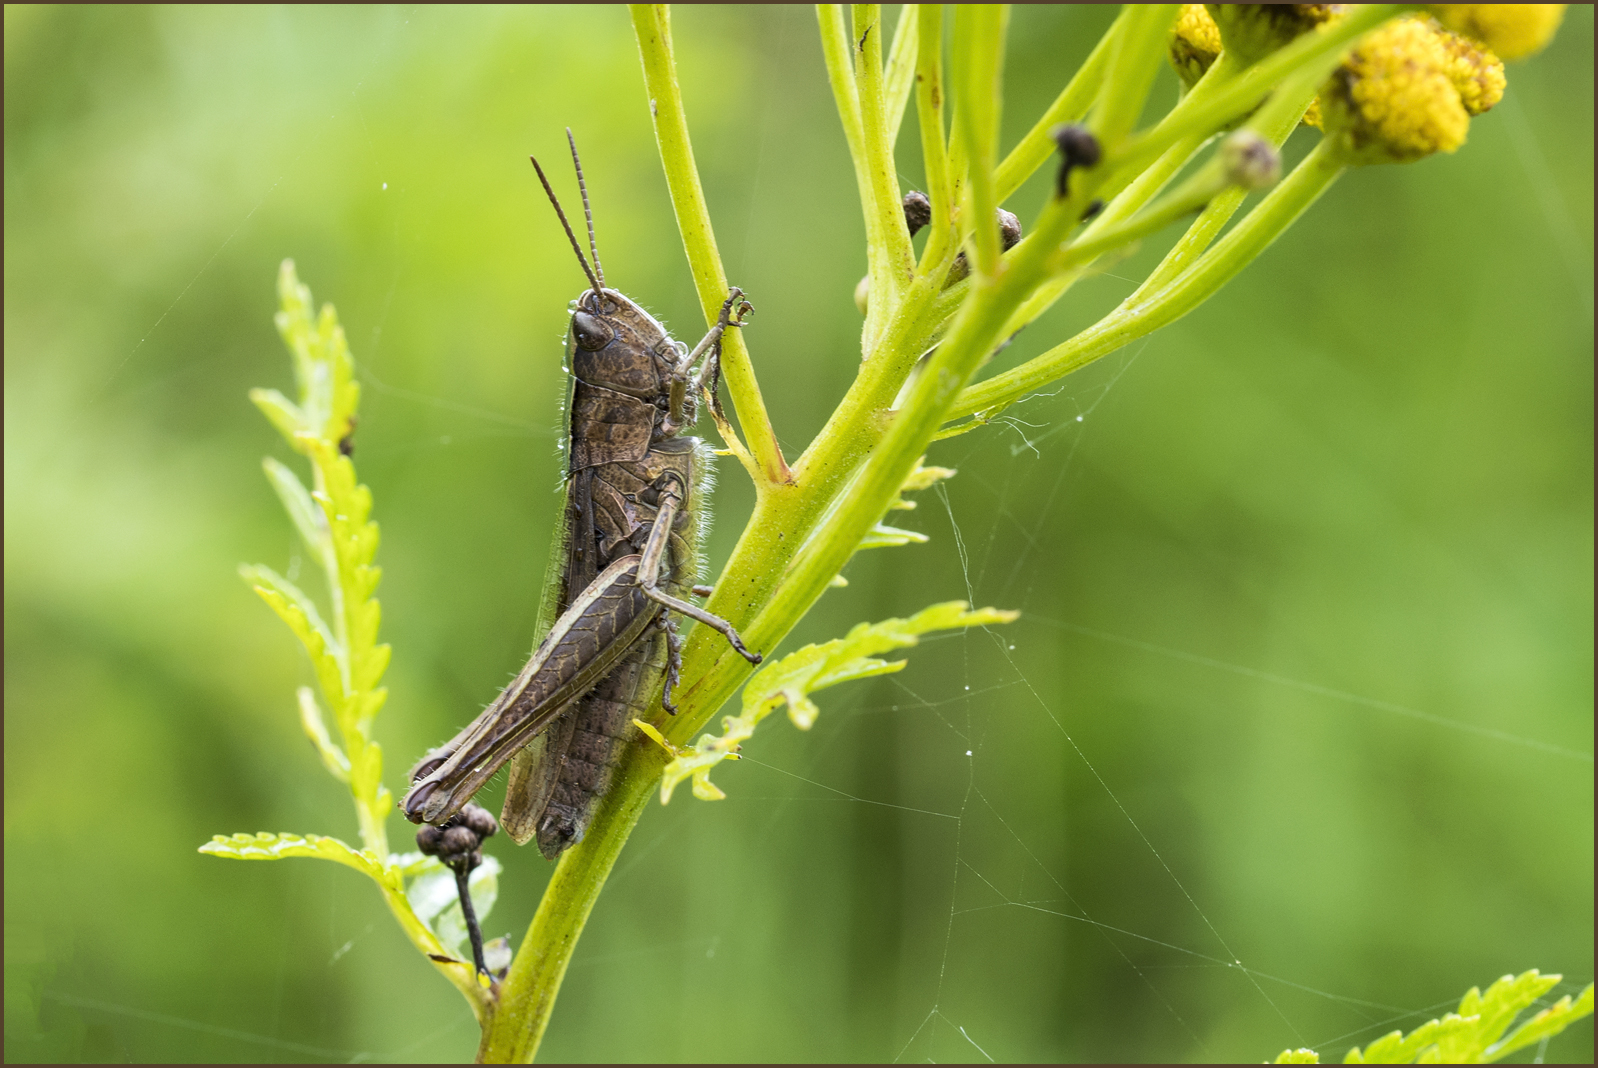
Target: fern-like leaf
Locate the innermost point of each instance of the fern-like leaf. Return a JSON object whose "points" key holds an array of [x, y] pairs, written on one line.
{"points": [[796, 676], [1474, 1034]]}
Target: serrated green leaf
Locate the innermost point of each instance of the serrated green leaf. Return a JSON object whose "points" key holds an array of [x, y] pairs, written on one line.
{"points": [[793, 678], [1298, 1056], [298, 611], [333, 757], [297, 503], [281, 412], [370, 670], [882, 536], [1397, 1048], [1502, 1002], [1552, 1020], [266, 846], [344, 649], [1468, 1036]]}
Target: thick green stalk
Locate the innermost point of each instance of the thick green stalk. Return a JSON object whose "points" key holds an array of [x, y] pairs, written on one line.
{"points": [[527, 994], [978, 48], [892, 261], [899, 72], [1139, 53], [652, 24], [929, 112]]}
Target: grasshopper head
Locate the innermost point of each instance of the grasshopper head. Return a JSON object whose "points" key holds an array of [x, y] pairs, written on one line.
{"points": [[617, 345]]}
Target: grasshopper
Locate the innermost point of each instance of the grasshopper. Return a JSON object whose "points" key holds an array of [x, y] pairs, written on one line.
{"points": [[625, 565]]}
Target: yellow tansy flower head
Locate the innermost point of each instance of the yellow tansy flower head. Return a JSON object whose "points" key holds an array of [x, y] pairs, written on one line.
{"points": [[1195, 42], [1514, 31], [1407, 90], [1477, 74]]}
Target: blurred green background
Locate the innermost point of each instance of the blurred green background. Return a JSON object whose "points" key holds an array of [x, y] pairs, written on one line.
{"points": [[1304, 678]]}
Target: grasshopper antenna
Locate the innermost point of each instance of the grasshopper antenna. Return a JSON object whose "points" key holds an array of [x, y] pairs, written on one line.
{"points": [[593, 246], [573, 237]]}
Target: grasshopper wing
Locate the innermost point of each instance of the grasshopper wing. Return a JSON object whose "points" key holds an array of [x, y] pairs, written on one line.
{"points": [[603, 623]]}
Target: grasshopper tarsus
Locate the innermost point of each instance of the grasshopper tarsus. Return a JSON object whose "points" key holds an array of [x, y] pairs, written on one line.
{"points": [[673, 664]]}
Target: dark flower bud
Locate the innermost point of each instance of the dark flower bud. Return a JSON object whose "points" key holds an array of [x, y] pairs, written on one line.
{"points": [[480, 820], [917, 211], [1078, 148], [1009, 230], [429, 839], [458, 841], [1250, 161]]}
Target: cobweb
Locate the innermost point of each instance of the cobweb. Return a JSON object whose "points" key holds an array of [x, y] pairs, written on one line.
{"points": [[1047, 432]]}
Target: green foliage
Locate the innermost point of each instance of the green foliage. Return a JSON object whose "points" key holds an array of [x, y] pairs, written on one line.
{"points": [[1474, 1034], [801, 673], [266, 846], [1421, 340], [333, 521]]}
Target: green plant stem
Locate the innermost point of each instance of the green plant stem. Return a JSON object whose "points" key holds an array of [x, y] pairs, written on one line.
{"points": [[461, 975], [929, 113], [1133, 320], [527, 994], [652, 25], [978, 47], [899, 73], [1124, 205], [1138, 54], [1274, 122], [1035, 148], [893, 261]]}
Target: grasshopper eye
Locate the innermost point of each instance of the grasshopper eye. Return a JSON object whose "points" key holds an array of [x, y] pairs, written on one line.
{"points": [[591, 333]]}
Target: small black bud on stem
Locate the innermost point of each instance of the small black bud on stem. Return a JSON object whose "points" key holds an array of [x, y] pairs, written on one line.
{"points": [[1078, 148], [917, 211], [457, 844], [1009, 230]]}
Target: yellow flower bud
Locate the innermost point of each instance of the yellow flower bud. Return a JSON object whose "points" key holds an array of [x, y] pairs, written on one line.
{"points": [[1394, 98], [1477, 74], [1195, 42], [1514, 31]]}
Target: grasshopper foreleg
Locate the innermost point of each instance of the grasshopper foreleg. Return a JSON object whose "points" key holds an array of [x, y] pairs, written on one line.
{"points": [[734, 310], [649, 572], [704, 591]]}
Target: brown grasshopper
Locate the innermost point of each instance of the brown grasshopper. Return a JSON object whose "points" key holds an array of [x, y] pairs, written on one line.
{"points": [[627, 562]]}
